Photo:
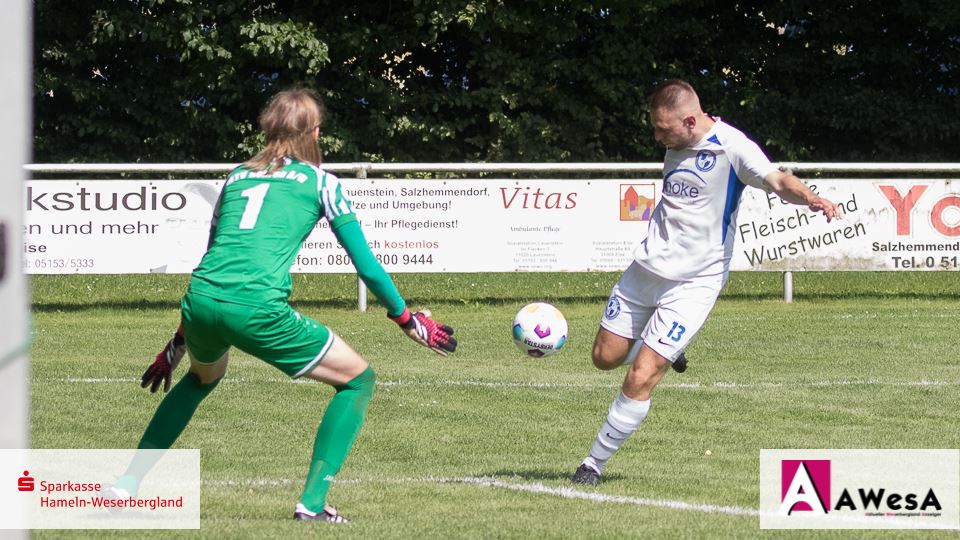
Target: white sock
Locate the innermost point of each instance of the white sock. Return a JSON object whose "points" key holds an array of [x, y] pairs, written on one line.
{"points": [[304, 510], [623, 418]]}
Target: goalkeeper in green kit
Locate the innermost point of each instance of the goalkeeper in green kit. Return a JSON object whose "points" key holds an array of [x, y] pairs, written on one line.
{"points": [[238, 298]]}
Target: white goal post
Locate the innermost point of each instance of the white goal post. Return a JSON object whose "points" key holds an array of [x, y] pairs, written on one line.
{"points": [[15, 141]]}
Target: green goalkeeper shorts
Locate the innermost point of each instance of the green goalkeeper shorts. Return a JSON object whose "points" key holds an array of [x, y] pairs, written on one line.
{"points": [[274, 333]]}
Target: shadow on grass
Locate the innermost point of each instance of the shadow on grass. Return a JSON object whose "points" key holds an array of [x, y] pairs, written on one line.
{"points": [[70, 307], [305, 303], [542, 475]]}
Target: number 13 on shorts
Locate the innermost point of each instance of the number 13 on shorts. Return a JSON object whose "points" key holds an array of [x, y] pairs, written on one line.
{"points": [[668, 339], [676, 331]]}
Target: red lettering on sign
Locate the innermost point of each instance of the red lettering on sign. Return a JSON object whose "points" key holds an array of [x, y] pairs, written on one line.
{"points": [[903, 206]]}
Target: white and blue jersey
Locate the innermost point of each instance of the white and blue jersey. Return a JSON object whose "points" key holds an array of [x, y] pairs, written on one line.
{"points": [[692, 228]]}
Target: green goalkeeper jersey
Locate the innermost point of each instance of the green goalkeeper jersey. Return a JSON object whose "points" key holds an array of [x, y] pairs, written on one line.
{"points": [[259, 224]]}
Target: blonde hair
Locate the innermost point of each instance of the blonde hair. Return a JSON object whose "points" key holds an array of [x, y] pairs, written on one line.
{"points": [[288, 122]]}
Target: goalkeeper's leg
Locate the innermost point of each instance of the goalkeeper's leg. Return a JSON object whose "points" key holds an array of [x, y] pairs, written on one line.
{"points": [[353, 379], [171, 418]]}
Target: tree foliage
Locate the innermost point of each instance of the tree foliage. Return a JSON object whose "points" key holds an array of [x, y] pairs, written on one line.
{"points": [[463, 81]]}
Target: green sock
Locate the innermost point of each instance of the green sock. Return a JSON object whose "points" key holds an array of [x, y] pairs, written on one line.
{"points": [[171, 418], [338, 430]]}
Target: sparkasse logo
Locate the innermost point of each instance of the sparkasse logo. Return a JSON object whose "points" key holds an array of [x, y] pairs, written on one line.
{"points": [[25, 482], [66, 488]]}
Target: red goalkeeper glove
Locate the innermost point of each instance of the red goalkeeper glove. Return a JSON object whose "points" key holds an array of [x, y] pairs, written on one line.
{"points": [[163, 365], [426, 331]]}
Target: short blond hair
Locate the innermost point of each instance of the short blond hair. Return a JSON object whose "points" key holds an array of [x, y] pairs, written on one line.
{"points": [[288, 122]]}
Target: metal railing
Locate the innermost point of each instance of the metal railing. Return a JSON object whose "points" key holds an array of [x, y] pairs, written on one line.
{"points": [[363, 170]]}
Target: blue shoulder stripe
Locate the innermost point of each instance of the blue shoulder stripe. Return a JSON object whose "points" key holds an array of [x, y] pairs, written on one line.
{"points": [[734, 190]]}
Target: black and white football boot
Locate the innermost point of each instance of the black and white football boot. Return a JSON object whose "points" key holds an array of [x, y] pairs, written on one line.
{"points": [[329, 515], [586, 475]]}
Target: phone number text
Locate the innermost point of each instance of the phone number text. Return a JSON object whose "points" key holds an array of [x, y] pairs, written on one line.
{"points": [[57, 264]]}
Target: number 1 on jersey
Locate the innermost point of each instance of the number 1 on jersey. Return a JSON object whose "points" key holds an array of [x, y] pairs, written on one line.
{"points": [[254, 196]]}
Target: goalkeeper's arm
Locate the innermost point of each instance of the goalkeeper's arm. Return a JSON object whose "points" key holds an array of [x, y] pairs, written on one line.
{"points": [[419, 326], [347, 230]]}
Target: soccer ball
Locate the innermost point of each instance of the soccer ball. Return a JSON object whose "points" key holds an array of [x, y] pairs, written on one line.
{"points": [[539, 329]]}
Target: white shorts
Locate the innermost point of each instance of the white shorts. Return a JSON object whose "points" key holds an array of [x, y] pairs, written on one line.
{"points": [[665, 314]]}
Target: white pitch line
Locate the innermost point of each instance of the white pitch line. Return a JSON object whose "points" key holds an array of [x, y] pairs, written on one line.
{"points": [[571, 493], [720, 385], [256, 482], [844, 316], [536, 488]]}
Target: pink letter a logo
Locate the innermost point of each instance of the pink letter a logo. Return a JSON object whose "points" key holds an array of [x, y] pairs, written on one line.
{"points": [[805, 486]]}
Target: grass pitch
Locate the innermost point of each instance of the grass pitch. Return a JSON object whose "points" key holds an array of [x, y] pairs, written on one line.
{"points": [[481, 444]]}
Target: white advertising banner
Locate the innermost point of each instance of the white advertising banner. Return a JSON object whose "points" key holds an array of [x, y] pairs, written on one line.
{"points": [[887, 225], [141, 226], [860, 489], [73, 489]]}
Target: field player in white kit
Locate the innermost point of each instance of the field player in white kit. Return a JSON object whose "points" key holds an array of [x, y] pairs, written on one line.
{"points": [[664, 297]]}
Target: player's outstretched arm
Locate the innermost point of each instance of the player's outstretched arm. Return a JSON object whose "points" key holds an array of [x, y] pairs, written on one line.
{"points": [[418, 326], [792, 190], [421, 328], [165, 363]]}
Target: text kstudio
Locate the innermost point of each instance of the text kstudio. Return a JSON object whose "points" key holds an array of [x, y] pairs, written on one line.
{"points": [[143, 199]]}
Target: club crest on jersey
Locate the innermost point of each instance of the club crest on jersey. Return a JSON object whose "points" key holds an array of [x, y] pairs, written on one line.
{"points": [[706, 160]]}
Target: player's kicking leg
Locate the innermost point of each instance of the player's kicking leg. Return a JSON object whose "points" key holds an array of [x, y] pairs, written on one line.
{"points": [[344, 369], [679, 365], [670, 313], [629, 408]]}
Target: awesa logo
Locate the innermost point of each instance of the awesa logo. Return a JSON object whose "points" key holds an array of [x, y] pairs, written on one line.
{"points": [[805, 490], [805, 486]]}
